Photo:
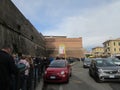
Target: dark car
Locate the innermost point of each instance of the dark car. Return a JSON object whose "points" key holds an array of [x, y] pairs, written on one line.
{"points": [[86, 63], [58, 71], [104, 70]]}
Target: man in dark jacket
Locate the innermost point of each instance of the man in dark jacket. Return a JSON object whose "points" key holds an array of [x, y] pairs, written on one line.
{"points": [[7, 68]]}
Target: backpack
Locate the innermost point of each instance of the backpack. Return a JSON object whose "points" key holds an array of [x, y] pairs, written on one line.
{"points": [[21, 67]]}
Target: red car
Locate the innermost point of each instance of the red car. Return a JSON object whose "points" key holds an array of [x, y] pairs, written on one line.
{"points": [[58, 71]]}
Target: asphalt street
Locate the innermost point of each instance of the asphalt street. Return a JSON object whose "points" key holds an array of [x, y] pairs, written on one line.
{"points": [[80, 80]]}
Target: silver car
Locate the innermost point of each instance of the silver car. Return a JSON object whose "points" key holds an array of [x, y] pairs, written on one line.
{"points": [[104, 70], [116, 61], [86, 63]]}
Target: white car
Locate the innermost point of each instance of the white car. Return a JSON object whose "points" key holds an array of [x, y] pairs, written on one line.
{"points": [[117, 62]]}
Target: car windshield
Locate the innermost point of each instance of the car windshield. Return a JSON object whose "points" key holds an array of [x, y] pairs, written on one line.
{"points": [[87, 61], [105, 63], [57, 63]]}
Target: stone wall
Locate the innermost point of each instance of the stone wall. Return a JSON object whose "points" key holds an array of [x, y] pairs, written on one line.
{"points": [[17, 31]]}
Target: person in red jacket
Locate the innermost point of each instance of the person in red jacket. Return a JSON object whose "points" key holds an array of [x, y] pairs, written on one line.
{"points": [[7, 68]]}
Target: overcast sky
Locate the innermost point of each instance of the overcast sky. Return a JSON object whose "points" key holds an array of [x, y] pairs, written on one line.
{"points": [[94, 20]]}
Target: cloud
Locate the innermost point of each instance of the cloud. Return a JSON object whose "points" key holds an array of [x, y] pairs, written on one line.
{"points": [[93, 20], [95, 25]]}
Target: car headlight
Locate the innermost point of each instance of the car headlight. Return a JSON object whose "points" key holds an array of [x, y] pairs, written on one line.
{"points": [[119, 70], [63, 72], [100, 70], [45, 72]]}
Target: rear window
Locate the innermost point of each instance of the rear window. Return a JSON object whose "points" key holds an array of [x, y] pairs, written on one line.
{"points": [[57, 63]]}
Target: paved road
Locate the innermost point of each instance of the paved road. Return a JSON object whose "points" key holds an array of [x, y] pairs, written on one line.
{"points": [[81, 80]]}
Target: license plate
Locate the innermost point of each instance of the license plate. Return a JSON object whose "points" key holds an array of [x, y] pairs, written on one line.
{"points": [[112, 76], [52, 77]]}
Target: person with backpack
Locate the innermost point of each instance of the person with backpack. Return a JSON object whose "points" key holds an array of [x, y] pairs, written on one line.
{"points": [[25, 75]]}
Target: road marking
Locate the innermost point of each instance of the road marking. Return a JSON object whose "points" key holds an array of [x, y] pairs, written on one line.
{"points": [[60, 88], [76, 81]]}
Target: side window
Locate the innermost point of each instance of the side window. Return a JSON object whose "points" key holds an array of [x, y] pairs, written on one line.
{"points": [[92, 63], [66, 63]]}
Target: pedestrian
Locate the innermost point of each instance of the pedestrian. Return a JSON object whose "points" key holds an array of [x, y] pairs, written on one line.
{"points": [[25, 76], [50, 59], [30, 76], [16, 59], [7, 68]]}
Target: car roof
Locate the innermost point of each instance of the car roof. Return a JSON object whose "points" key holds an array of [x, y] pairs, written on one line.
{"points": [[61, 60], [97, 59]]}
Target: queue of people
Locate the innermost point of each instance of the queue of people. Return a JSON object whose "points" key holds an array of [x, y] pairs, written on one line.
{"points": [[20, 73]]}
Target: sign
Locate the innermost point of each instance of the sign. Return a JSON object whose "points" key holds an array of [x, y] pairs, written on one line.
{"points": [[62, 49]]}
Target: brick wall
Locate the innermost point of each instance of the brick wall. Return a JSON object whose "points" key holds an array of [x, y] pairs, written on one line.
{"points": [[73, 46]]}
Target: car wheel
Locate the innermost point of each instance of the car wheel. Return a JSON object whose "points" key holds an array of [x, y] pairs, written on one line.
{"points": [[90, 73], [84, 66], [98, 80], [67, 81], [70, 74], [44, 82]]}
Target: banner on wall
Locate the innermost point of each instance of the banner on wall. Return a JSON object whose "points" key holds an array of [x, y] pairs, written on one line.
{"points": [[61, 49]]}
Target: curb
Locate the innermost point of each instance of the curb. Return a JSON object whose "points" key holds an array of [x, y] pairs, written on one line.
{"points": [[40, 85], [73, 63]]}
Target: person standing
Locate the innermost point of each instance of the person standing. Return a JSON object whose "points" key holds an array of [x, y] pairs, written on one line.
{"points": [[7, 68], [25, 76]]}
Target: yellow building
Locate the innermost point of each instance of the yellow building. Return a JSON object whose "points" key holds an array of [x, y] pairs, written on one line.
{"points": [[98, 52], [112, 47]]}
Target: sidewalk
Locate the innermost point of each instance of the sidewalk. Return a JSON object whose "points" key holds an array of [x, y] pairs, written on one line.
{"points": [[40, 85]]}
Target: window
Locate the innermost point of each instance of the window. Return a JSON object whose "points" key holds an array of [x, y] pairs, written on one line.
{"points": [[114, 49], [114, 43], [31, 37], [19, 27], [108, 49], [119, 43]]}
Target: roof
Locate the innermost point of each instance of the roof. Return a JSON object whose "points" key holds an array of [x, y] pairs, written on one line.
{"points": [[118, 39]]}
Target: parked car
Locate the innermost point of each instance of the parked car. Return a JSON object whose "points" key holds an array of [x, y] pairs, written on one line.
{"points": [[104, 70], [115, 60], [58, 71], [86, 63]]}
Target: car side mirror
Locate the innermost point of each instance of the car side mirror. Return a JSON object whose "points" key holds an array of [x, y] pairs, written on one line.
{"points": [[47, 66], [69, 65]]}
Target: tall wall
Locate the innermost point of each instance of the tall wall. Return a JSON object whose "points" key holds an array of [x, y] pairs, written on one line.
{"points": [[18, 32]]}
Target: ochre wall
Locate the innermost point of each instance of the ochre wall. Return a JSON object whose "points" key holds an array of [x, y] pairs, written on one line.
{"points": [[73, 46]]}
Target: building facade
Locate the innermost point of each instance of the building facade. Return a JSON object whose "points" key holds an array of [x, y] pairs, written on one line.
{"points": [[64, 47], [98, 51], [112, 47]]}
